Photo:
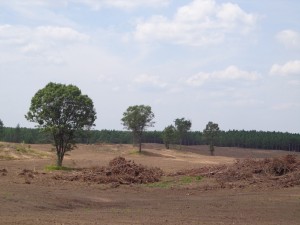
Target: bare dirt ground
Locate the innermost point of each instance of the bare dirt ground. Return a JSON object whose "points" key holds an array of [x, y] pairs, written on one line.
{"points": [[30, 195]]}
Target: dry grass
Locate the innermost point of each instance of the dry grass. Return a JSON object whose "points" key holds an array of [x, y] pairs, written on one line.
{"points": [[12, 151]]}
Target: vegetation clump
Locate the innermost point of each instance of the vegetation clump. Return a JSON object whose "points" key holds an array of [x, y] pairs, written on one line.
{"points": [[54, 168], [62, 110], [176, 134], [138, 118], [211, 133], [182, 127]]}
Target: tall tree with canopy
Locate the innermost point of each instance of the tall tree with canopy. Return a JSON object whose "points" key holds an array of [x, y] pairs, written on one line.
{"points": [[61, 110], [169, 135], [182, 127], [138, 118], [211, 133]]}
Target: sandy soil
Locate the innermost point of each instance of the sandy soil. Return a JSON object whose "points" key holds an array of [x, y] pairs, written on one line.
{"points": [[43, 200]]}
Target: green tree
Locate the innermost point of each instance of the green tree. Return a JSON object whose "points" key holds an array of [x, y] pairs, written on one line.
{"points": [[211, 133], [169, 135], [182, 127], [17, 134], [1, 129], [137, 118], [61, 110]]}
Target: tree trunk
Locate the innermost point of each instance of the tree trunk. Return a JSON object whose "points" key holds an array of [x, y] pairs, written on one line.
{"points": [[60, 157], [59, 161], [180, 143], [167, 146], [140, 146], [212, 149]]}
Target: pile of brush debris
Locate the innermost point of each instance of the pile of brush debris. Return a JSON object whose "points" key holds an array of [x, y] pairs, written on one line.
{"points": [[119, 171], [273, 172]]}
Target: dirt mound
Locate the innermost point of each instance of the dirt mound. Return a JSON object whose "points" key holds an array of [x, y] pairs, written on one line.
{"points": [[119, 171], [3, 172], [28, 175], [274, 172]]}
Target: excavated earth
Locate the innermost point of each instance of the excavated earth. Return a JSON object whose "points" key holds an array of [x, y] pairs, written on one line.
{"points": [[113, 184]]}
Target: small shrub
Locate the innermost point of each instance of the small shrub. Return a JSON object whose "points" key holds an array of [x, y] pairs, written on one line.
{"points": [[190, 179], [161, 184], [21, 148], [54, 168]]}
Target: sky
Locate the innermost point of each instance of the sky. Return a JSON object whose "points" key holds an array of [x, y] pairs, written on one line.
{"points": [[235, 63]]}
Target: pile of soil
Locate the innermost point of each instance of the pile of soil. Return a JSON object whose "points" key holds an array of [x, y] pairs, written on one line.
{"points": [[3, 172], [119, 171], [270, 172], [28, 175]]}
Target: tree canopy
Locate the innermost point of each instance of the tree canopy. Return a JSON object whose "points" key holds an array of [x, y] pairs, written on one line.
{"points": [[138, 118], [169, 134], [211, 133], [61, 110], [182, 127]]}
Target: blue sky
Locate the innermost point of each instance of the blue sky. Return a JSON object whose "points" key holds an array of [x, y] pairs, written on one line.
{"points": [[236, 63]]}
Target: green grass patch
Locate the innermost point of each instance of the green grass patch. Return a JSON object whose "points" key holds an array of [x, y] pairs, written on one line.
{"points": [[190, 179], [55, 168], [161, 184], [135, 152]]}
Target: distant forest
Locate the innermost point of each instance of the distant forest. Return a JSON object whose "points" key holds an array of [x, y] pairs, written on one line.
{"points": [[231, 138]]}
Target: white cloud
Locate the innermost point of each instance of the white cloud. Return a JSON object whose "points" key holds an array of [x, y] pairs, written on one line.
{"points": [[234, 73], [240, 102], [198, 79], [19, 34], [286, 106], [13, 35], [93, 4], [294, 83], [199, 23], [39, 39], [116, 89], [289, 38], [289, 68], [230, 73], [104, 79], [35, 3], [148, 80], [59, 33], [130, 4]]}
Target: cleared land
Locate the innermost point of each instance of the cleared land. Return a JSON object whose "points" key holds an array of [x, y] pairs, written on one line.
{"points": [[29, 194]]}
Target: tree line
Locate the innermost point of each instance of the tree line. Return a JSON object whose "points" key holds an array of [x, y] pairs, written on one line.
{"points": [[232, 138], [66, 117]]}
